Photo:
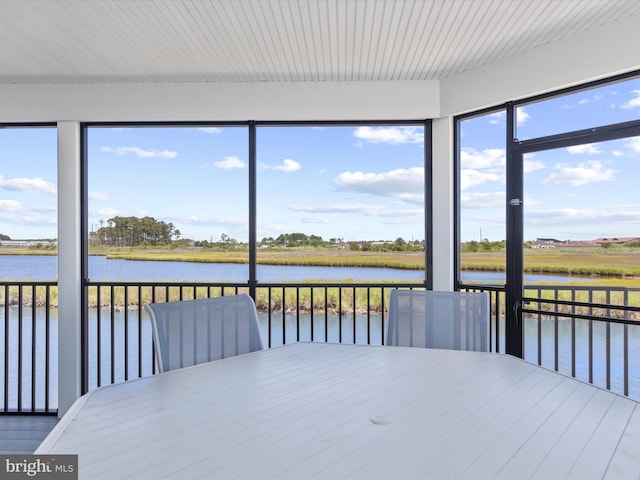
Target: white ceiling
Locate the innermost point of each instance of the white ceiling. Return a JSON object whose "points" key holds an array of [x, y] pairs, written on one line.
{"points": [[114, 41]]}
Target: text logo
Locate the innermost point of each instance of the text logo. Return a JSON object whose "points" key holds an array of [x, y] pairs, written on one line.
{"points": [[54, 467]]}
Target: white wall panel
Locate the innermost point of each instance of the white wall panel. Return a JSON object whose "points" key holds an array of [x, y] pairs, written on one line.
{"points": [[69, 264], [220, 101], [443, 211]]}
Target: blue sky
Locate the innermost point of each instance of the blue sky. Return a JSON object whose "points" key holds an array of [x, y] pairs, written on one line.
{"points": [[28, 191], [577, 193], [349, 182], [336, 182]]}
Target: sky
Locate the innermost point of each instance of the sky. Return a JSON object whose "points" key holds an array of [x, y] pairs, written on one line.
{"points": [[349, 182], [577, 193]]}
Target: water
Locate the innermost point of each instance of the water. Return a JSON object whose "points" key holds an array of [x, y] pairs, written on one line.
{"points": [[30, 267], [139, 331], [101, 269]]}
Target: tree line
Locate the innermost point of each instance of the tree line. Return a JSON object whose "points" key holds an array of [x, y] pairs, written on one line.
{"points": [[134, 231], [302, 240]]}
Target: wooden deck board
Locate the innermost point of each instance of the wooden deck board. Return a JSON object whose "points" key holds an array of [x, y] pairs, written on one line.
{"points": [[306, 410], [596, 456], [22, 434], [571, 443], [626, 454]]}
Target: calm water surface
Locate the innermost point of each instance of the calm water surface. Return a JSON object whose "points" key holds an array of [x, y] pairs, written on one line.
{"points": [[30, 267], [283, 328]]}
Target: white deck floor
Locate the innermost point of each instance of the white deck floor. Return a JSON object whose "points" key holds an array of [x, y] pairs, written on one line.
{"points": [[344, 411]]}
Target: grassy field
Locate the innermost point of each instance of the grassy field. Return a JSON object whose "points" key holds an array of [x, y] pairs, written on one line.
{"points": [[613, 266], [287, 256], [570, 261]]}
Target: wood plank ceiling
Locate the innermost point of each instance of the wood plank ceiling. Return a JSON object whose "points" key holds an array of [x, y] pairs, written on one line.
{"points": [[110, 41]]}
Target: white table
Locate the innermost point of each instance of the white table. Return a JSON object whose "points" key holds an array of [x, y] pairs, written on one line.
{"points": [[336, 411]]}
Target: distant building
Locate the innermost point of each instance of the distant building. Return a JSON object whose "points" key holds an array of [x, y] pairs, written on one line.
{"points": [[616, 240], [598, 242], [547, 240], [28, 243]]}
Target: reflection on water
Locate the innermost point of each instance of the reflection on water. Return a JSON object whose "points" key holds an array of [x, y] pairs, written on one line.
{"points": [[280, 328]]}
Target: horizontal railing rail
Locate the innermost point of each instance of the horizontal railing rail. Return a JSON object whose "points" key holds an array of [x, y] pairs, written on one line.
{"points": [[588, 332], [288, 312], [592, 333]]}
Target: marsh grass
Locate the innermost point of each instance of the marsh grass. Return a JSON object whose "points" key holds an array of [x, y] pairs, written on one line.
{"points": [[570, 261], [602, 262], [286, 257], [333, 300], [613, 268], [598, 262]]}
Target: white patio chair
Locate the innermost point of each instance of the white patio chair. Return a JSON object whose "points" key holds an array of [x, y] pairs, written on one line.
{"points": [[431, 319], [196, 331]]}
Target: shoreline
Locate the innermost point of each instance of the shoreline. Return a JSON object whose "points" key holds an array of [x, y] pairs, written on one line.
{"points": [[606, 263], [607, 267]]}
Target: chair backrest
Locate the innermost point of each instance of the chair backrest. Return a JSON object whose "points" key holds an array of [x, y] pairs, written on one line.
{"points": [[196, 331], [431, 319]]}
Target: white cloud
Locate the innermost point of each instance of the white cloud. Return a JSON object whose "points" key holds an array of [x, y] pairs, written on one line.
{"points": [[392, 135], [28, 185], [469, 178], [140, 153], [360, 209], [402, 213], [287, 165], [634, 102], [586, 99], [594, 98], [521, 116], [335, 208], [488, 158], [482, 200], [581, 174], [574, 216], [314, 219], [105, 213], [229, 163], [98, 196], [10, 206], [406, 184], [530, 165], [588, 148], [634, 144], [498, 118], [208, 221], [210, 130], [45, 209]]}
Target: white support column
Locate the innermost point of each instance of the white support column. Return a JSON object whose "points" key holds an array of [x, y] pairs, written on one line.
{"points": [[443, 211], [69, 265]]}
